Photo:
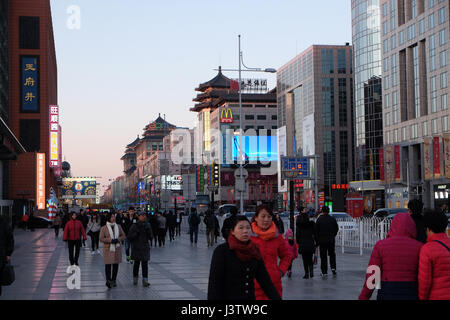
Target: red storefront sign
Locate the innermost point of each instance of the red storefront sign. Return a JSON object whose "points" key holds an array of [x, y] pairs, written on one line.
{"points": [[437, 163], [381, 161], [397, 162]]}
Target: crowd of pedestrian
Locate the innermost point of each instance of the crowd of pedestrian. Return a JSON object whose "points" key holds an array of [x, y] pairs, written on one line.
{"points": [[411, 263]]}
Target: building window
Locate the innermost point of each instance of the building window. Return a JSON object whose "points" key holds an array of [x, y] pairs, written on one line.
{"points": [[432, 40], [433, 94], [445, 124], [414, 131], [30, 134], [385, 9], [416, 81], [274, 117], [442, 38], [413, 9], [395, 106], [422, 26], [443, 80], [327, 61], [342, 84], [386, 101], [385, 28], [342, 64], [29, 33], [444, 102], [394, 41], [386, 64], [401, 37], [385, 46], [434, 128], [403, 133], [154, 146], [430, 4], [386, 79], [394, 70], [443, 59], [249, 117], [261, 117], [441, 15], [388, 119], [388, 137], [161, 147], [424, 128], [411, 32], [431, 21], [395, 135], [328, 102]]}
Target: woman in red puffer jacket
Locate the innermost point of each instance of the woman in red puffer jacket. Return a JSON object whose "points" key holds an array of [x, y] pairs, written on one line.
{"points": [[434, 263], [397, 258], [73, 233], [272, 246]]}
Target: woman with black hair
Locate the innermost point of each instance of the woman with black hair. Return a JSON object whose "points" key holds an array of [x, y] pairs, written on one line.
{"points": [[306, 241], [236, 264]]}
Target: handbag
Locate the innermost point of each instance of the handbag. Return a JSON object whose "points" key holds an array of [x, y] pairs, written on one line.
{"points": [[8, 276]]}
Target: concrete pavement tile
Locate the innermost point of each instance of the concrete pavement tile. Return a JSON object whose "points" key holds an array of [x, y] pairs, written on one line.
{"points": [[175, 294]]}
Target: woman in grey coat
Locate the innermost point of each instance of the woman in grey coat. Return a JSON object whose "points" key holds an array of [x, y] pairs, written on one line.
{"points": [[139, 236]]}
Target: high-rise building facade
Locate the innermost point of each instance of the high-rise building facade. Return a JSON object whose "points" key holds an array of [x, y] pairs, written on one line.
{"points": [[415, 46], [368, 118], [314, 92]]}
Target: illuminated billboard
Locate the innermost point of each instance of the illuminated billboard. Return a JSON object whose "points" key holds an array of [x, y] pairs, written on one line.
{"points": [[82, 188], [173, 182], [256, 148], [40, 181], [54, 136]]}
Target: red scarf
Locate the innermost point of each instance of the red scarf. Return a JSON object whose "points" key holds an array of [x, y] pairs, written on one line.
{"points": [[245, 251], [267, 234]]}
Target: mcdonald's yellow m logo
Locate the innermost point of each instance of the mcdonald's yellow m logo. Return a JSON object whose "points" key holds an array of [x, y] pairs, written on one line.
{"points": [[226, 116]]}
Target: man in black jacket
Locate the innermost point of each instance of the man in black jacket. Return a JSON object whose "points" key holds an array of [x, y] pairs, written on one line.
{"points": [[6, 245], [415, 207], [326, 231]]}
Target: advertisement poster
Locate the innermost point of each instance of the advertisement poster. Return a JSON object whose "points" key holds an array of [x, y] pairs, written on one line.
{"points": [[427, 157], [447, 154], [397, 163], [40, 181], [436, 153], [381, 161]]}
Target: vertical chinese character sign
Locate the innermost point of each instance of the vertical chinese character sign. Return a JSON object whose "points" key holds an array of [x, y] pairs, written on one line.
{"points": [[29, 84], [54, 136], [40, 181]]}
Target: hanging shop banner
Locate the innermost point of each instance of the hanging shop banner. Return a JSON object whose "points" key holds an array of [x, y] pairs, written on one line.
{"points": [[389, 164], [427, 157], [54, 136], [29, 83], [397, 163], [447, 154], [40, 181], [381, 162], [437, 162]]}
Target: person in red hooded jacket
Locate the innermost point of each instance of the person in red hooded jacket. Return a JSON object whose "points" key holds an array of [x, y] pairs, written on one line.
{"points": [[272, 246], [394, 262], [434, 262], [73, 232]]}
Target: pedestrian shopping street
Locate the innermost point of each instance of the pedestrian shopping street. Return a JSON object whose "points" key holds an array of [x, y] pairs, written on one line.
{"points": [[177, 271]]}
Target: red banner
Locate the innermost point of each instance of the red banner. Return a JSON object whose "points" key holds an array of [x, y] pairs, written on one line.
{"points": [[397, 163], [381, 162], [437, 162]]}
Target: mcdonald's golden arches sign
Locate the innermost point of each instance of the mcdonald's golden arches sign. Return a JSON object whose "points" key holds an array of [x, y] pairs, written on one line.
{"points": [[226, 116]]}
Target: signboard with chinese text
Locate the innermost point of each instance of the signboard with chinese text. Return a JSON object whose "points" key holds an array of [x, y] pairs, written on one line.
{"points": [[381, 161], [40, 181], [172, 182], [253, 85], [29, 74], [54, 136], [397, 163], [427, 157], [447, 154], [436, 157]]}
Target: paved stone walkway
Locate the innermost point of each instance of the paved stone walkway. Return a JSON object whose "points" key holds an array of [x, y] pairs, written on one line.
{"points": [[177, 271]]}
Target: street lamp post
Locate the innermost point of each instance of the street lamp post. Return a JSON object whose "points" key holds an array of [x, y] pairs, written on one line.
{"points": [[269, 70]]}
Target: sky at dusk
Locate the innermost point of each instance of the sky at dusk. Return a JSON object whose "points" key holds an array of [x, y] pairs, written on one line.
{"points": [[130, 60]]}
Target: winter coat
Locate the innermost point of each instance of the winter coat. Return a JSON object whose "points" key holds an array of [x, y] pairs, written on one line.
{"points": [[210, 221], [271, 250], [84, 220], [279, 223], [162, 222], [292, 248], [6, 242], [191, 222], [233, 279], [125, 223], [306, 237], [178, 217], [326, 229], [111, 257], [171, 220], [154, 223], [420, 227], [139, 236], [397, 256], [93, 226], [434, 269], [74, 230]]}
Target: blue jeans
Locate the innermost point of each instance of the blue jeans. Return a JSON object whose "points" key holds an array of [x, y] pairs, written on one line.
{"points": [[193, 230], [127, 247]]}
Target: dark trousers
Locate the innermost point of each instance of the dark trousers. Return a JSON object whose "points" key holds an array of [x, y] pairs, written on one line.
{"points": [[74, 245], [162, 237], [193, 231], [308, 264], [155, 237], [172, 233], [1, 272], [144, 269], [327, 249], [111, 273], [56, 231], [95, 240], [178, 229]]}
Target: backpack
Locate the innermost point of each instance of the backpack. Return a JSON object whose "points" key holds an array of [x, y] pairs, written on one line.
{"points": [[194, 219]]}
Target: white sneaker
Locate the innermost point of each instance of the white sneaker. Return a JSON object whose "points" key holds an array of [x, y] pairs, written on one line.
{"points": [[98, 251], [93, 252]]}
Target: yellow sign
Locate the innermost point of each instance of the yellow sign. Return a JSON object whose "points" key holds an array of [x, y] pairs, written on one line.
{"points": [[226, 116]]}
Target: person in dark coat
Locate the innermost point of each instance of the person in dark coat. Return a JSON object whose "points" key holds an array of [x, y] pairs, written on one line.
{"points": [[162, 227], [278, 222], [6, 245], [415, 207], [228, 222], [211, 222], [234, 266], [306, 240], [326, 231], [178, 220], [139, 236], [396, 259], [153, 220], [124, 221], [171, 224], [84, 219], [194, 221]]}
